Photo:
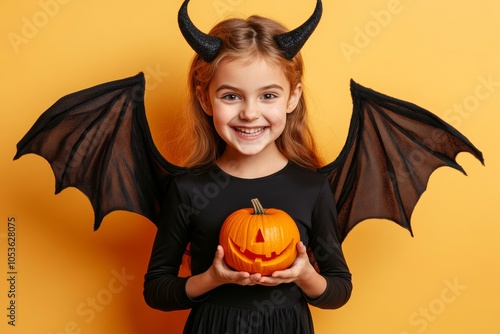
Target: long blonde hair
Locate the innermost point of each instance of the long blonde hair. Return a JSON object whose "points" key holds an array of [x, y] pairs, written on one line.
{"points": [[246, 38]]}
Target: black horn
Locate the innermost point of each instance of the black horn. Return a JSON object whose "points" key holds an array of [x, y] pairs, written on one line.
{"points": [[206, 46], [291, 42]]}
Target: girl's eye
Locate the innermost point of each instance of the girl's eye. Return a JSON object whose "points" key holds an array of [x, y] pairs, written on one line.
{"points": [[230, 97], [269, 96]]}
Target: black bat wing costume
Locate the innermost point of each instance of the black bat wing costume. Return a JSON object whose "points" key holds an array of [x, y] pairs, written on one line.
{"points": [[98, 141]]}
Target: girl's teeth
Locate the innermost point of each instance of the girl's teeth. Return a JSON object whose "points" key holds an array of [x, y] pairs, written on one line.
{"points": [[249, 132]]}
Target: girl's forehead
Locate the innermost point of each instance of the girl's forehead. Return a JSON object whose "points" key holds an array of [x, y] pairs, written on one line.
{"points": [[250, 66], [249, 58]]}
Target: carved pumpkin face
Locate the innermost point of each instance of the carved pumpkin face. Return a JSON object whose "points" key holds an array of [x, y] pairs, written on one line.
{"points": [[258, 241]]}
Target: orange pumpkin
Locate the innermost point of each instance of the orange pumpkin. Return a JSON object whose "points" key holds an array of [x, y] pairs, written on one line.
{"points": [[259, 241]]}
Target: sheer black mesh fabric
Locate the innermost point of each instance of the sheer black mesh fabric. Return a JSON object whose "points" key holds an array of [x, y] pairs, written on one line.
{"points": [[98, 141], [392, 149]]}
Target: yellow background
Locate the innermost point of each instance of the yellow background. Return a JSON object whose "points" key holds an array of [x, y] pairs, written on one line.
{"points": [[438, 54]]}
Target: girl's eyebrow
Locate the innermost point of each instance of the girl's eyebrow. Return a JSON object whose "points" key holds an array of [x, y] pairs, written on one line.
{"points": [[274, 86], [228, 87], [225, 87]]}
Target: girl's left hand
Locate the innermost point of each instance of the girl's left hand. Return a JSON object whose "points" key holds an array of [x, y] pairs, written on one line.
{"points": [[300, 270]]}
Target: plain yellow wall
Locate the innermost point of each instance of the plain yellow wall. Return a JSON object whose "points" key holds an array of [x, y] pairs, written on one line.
{"points": [[443, 55]]}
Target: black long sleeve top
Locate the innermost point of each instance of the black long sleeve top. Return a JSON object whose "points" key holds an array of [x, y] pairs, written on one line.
{"points": [[193, 211]]}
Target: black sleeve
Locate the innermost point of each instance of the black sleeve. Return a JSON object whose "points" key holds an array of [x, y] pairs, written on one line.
{"points": [[163, 289], [326, 247]]}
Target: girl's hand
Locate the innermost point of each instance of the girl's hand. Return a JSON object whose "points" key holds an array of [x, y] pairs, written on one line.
{"points": [[222, 274], [218, 274], [301, 272]]}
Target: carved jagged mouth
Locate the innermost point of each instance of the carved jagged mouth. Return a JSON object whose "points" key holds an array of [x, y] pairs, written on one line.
{"points": [[252, 257]]}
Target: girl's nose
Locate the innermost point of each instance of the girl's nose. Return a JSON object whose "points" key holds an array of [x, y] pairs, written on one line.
{"points": [[250, 112]]}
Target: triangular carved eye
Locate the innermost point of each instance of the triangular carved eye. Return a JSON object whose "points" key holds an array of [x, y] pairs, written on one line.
{"points": [[260, 237]]}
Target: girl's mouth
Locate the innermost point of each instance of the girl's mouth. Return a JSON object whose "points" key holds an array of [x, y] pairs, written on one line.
{"points": [[249, 132]]}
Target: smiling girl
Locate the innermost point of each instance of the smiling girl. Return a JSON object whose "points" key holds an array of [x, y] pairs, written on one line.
{"points": [[249, 122]]}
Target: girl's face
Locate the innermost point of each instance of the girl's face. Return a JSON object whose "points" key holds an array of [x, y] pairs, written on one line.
{"points": [[249, 101]]}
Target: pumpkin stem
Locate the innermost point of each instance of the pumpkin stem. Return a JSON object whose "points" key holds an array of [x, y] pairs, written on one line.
{"points": [[258, 209]]}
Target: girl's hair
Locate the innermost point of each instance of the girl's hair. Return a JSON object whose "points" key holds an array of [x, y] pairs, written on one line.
{"points": [[246, 39]]}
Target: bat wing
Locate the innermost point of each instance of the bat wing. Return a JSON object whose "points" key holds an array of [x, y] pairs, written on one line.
{"points": [[392, 148], [98, 141]]}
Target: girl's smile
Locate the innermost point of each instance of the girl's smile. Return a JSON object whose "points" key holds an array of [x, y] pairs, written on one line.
{"points": [[250, 133]]}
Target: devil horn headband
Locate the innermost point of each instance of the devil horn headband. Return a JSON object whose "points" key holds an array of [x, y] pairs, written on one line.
{"points": [[207, 47]]}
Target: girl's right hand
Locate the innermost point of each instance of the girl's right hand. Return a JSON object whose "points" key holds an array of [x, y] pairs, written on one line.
{"points": [[223, 274]]}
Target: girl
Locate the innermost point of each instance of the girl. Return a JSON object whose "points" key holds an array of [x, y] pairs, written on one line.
{"points": [[250, 139]]}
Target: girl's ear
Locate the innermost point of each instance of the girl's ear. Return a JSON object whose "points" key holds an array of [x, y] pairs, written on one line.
{"points": [[294, 98], [204, 101]]}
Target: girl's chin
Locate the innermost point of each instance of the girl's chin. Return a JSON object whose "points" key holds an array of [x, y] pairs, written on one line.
{"points": [[247, 150]]}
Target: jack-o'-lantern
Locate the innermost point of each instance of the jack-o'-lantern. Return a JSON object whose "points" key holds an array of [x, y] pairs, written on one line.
{"points": [[258, 240]]}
